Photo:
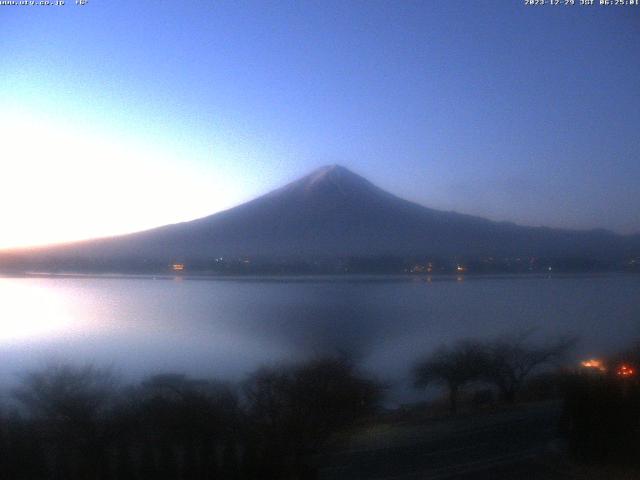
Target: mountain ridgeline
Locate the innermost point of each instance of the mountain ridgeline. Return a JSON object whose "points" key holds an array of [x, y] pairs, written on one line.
{"points": [[327, 218]]}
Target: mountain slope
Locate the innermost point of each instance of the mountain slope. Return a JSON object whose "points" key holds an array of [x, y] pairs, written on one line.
{"points": [[334, 213]]}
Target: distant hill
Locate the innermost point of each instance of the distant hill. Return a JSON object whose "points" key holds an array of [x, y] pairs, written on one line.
{"points": [[332, 213]]}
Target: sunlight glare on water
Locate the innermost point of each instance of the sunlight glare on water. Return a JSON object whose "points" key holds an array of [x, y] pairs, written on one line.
{"points": [[30, 312]]}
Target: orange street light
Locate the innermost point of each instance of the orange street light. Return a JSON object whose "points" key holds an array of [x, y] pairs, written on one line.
{"points": [[594, 364]]}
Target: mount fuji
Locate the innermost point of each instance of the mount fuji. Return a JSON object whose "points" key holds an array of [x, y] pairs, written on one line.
{"points": [[333, 213]]}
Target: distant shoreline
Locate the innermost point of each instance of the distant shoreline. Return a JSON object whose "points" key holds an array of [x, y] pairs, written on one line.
{"points": [[322, 277]]}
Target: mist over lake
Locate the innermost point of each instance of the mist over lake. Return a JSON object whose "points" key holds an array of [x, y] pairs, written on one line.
{"points": [[227, 327]]}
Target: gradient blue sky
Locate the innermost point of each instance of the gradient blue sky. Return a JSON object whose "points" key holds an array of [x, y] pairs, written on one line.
{"points": [[119, 115]]}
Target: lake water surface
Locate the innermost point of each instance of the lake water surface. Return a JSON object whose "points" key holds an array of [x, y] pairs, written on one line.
{"points": [[226, 327]]}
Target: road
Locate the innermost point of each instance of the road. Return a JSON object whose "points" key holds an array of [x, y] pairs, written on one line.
{"points": [[511, 443]]}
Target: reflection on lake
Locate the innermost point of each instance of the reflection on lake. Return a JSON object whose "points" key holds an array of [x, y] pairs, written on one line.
{"points": [[225, 328]]}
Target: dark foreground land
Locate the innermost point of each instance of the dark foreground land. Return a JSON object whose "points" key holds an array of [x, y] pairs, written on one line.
{"points": [[323, 419], [521, 442]]}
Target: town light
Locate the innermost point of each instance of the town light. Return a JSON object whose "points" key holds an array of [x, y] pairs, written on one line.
{"points": [[625, 371]]}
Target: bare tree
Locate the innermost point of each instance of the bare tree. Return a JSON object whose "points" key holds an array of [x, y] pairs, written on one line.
{"points": [[452, 367], [68, 405], [509, 360], [293, 410], [180, 417], [312, 399], [67, 393]]}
